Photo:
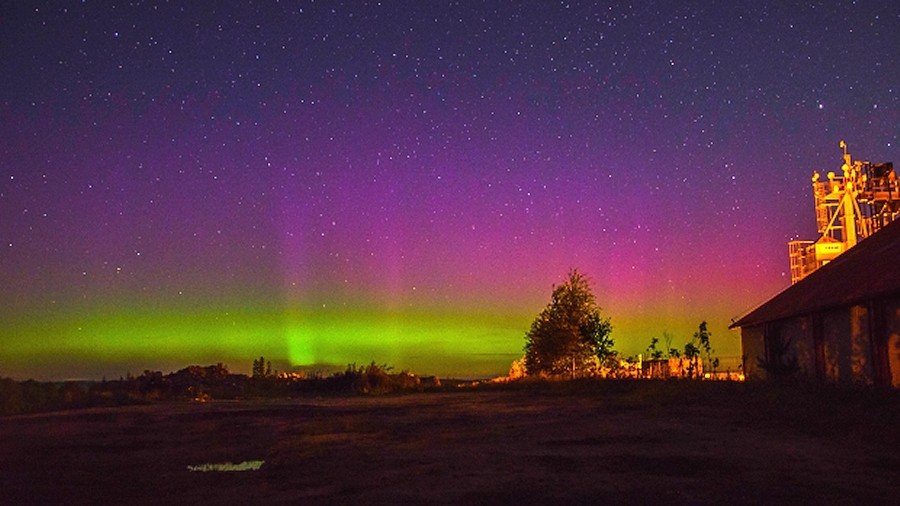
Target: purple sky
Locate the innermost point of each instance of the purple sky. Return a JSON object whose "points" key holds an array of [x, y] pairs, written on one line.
{"points": [[414, 158]]}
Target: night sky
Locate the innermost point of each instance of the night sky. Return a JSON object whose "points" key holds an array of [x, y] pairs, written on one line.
{"points": [[324, 183]]}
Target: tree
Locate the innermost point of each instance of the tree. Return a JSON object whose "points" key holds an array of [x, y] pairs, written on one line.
{"points": [[261, 368], [691, 353], [569, 334], [671, 352], [652, 351], [702, 336], [655, 352], [517, 369], [697, 345]]}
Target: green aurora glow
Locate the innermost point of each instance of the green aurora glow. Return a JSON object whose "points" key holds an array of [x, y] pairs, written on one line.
{"points": [[117, 337], [441, 342]]}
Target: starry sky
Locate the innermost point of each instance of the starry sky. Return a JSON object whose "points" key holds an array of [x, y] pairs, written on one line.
{"points": [[334, 182]]}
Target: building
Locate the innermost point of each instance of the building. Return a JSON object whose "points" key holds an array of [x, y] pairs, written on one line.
{"points": [[840, 323], [666, 368], [859, 202]]}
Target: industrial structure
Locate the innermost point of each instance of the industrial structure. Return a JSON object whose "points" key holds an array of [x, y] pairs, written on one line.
{"points": [[839, 321], [849, 208], [840, 324]]}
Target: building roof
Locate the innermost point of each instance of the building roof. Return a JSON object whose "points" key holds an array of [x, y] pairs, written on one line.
{"points": [[869, 270]]}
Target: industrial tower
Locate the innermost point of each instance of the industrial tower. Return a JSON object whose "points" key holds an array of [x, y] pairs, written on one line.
{"points": [[849, 208]]}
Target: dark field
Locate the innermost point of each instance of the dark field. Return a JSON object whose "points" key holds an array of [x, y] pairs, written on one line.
{"points": [[583, 443]]}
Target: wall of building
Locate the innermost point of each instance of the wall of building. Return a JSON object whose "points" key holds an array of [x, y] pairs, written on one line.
{"points": [[783, 347], [862, 358], [798, 334], [665, 368], [842, 352], [753, 349], [847, 346], [893, 340]]}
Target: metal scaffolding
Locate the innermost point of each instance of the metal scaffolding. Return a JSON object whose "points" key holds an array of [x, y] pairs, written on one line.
{"points": [[849, 208]]}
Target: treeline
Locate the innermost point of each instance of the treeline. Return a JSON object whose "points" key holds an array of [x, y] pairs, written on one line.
{"points": [[203, 383]]}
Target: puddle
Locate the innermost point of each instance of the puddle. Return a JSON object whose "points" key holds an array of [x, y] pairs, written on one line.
{"points": [[227, 467]]}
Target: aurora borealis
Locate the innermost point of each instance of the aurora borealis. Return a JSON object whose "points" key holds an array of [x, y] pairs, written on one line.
{"points": [[324, 183]]}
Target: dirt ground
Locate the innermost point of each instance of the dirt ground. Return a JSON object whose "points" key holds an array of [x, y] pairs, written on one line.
{"points": [[613, 442]]}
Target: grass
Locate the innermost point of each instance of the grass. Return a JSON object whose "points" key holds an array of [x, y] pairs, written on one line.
{"points": [[576, 442]]}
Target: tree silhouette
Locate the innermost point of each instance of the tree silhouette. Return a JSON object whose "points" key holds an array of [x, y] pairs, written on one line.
{"points": [[652, 351], [702, 336], [692, 353], [261, 368], [671, 352], [569, 335]]}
